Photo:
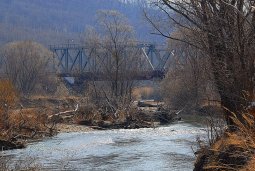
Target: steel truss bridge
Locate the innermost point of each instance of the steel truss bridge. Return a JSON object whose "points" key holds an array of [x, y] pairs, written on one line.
{"points": [[149, 61]]}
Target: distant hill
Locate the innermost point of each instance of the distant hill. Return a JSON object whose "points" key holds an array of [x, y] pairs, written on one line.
{"points": [[56, 21]]}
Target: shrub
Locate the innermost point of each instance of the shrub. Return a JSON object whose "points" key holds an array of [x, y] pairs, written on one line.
{"points": [[8, 97]]}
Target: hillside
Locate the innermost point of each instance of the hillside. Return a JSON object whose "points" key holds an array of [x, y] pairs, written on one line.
{"points": [[49, 21]]}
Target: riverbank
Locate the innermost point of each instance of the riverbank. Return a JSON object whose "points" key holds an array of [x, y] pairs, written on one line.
{"points": [[232, 150], [38, 117], [68, 128]]}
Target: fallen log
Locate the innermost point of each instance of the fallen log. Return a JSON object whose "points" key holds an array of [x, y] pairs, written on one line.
{"points": [[65, 113], [98, 128]]}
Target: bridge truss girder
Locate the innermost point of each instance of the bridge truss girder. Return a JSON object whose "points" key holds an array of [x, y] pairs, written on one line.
{"points": [[76, 61]]}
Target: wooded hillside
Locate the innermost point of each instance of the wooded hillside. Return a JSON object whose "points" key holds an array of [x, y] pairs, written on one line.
{"points": [[57, 21]]}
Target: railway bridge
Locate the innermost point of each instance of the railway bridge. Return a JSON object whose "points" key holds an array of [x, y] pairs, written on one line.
{"points": [[136, 61]]}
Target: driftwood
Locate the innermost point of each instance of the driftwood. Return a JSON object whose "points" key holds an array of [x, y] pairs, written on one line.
{"points": [[65, 113], [98, 127]]}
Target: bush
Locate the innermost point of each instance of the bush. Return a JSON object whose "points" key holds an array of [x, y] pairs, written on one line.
{"points": [[8, 96], [232, 150], [25, 63]]}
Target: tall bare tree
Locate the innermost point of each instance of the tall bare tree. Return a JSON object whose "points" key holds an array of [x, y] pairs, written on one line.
{"points": [[116, 40], [226, 34], [110, 45]]}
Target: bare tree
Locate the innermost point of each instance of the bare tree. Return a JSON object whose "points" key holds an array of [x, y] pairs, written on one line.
{"points": [[189, 78], [111, 46], [226, 35], [117, 37], [24, 63]]}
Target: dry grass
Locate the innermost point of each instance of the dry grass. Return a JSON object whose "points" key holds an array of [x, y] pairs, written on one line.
{"points": [[250, 166], [233, 150], [27, 124], [8, 97], [142, 92], [91, 116], [28, 120]]}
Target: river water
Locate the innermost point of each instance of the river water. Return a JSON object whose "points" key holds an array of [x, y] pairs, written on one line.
{"points": [[163, 148]]}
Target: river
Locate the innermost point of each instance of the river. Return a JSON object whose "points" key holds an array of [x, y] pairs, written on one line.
{"points": [[163, 148]]}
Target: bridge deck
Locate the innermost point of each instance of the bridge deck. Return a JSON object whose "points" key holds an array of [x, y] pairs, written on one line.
{"points": [[99, 76]]}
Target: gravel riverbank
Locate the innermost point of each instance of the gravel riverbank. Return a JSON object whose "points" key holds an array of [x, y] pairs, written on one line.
{"points": [[66, 128]]}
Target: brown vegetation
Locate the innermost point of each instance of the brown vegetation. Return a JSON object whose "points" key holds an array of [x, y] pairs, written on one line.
{"points": [[8, 97], [230, 150], [131, 118], [145, 92], [25, 125], [223, 32], [189, 84], [18, 124]]}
